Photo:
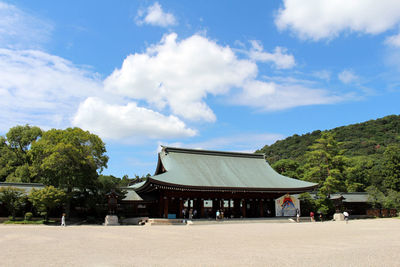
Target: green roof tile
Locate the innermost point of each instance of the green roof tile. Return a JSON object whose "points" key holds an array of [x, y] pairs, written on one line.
{"points": [[190, 167]]}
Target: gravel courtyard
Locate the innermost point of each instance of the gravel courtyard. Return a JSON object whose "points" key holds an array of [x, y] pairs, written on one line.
{"points": [[374, 242]]}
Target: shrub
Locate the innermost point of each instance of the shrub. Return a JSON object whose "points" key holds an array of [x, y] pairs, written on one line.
{"points": [[44, 215], [28, 216]]}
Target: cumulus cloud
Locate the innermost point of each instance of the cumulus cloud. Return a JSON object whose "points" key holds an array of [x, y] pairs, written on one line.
{"points": [[154, 15], [348, 76], [115, 121], [326, 19], [41, 89], [180, 75], [21, 30], [152, 95], [271, 96], [279, 57]]}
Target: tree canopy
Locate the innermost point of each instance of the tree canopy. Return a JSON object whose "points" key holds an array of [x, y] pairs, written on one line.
{"points": [[69, 158]]}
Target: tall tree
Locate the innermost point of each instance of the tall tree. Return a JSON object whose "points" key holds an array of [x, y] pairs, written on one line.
{"points": [[69, 159], [325, 164], [392, 167], [15, 162]]}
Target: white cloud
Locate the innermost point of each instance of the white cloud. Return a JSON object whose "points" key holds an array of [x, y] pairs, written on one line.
{"points": [[41, 89], [270, 96], [180, 75], [323, 75], [326, 19], [171, 77], [393, 40], [154, 15], [115, 121], [279, 57], [21, 30], [46, 90], [348, 76]]}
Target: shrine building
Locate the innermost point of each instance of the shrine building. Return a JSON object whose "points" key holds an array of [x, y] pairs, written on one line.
{"points": [[203, 181]]}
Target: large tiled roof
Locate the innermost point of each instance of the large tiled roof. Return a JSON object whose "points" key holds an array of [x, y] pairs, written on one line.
{"points": [[217, 169]]}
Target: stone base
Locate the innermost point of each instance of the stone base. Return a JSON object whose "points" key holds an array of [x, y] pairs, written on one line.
{"points": [[338, 217], [111, 220]]}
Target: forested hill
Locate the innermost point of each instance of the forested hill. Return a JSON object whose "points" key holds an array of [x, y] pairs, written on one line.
{"points": [[362, 139]]}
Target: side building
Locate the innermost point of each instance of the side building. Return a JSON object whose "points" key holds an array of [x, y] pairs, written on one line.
{"points": [[203, 181]]}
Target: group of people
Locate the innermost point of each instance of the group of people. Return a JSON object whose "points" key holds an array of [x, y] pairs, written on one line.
{"points": [[219, 214], [192, 213], [345, 214]]}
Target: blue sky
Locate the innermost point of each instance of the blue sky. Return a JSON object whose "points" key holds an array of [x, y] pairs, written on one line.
{"points": [[220, 75]]}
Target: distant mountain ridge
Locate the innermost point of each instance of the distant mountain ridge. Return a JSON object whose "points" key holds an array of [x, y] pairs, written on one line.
{"points": [[362, 139]]}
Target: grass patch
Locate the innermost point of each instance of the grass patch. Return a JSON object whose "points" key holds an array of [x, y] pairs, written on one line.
{"points": [[29, 222]]}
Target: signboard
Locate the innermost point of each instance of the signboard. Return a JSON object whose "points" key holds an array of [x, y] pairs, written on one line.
{"points": [[286, 205]]}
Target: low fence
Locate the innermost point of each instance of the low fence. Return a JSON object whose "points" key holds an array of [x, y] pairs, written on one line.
{"points": [[382, 212]]}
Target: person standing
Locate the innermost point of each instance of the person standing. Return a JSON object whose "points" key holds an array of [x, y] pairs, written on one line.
{"points": [[312, 216], [63, 220], [217, 215], [346, 216], [195, 214], [183, 213], [297, 215]]}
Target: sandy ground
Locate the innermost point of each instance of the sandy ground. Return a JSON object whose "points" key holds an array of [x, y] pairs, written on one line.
{"points": [[374, 242]]}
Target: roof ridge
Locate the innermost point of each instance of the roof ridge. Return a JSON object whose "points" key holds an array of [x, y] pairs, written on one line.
{"points": [[168, 149], [23, 184]]}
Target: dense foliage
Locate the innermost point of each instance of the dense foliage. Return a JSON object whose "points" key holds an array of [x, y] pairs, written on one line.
{"points": [[68, 162], [354, 158], [13, 198], [363, 139], [47, 198]]}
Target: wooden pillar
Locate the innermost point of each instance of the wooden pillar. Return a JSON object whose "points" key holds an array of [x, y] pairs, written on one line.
{"points": [[236, 208], [202, 208], [160, 206], [244, 208], [180, 208], [165, 207], [261, 208]]}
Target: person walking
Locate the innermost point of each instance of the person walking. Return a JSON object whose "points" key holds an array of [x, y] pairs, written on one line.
{"points": [[217, 215], [297, 215], [63, 220], [312, 216]]}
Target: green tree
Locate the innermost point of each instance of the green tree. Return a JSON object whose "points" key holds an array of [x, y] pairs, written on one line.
{"points": [[359, 173], [392, 200], [375, 197], [69, 159], [15, 161], [392, 168], [13, 199], [288, 167], [325, 165], [46, 199]]}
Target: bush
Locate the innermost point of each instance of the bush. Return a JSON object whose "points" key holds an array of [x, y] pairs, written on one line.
{"points": [[44, 215], [10, 218], [28, 216]]}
